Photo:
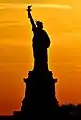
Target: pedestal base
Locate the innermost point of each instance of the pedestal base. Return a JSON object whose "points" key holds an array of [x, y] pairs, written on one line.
{"points": [[39, 100]]}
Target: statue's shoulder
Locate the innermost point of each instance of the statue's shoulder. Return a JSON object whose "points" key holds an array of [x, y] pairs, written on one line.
{"points": [[34, 29], [45, 33]]}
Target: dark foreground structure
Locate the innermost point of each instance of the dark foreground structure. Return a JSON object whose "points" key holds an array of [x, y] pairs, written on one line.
{"points": [[40, 100]]}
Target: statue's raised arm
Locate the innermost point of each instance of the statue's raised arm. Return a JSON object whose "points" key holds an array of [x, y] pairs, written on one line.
{"points": [[30, 17]]}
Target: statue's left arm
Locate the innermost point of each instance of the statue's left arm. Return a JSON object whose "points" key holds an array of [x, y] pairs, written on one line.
{"points": [[47, 39]]}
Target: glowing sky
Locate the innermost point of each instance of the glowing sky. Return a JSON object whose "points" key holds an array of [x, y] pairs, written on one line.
{"points": [[62, 21], [36, 1]]}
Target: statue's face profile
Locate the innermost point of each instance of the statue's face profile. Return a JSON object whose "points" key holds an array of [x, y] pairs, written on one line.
{"points": [[39, 24]]}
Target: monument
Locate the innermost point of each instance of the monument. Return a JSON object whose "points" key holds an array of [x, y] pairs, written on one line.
{"points": [[39, 100]]}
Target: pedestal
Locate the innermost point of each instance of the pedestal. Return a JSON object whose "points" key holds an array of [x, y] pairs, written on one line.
{"points": [[40, 99]]}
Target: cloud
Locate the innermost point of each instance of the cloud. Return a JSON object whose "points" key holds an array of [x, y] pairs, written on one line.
{"points": [[23, 6], [52, 6], [10, 23], [2, 8]]}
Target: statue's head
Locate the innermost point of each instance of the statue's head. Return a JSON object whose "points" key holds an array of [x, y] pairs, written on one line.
{"points": [[39, 24]]}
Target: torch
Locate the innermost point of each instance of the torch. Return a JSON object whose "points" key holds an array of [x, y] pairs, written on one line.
{"points": [[29, 9]]}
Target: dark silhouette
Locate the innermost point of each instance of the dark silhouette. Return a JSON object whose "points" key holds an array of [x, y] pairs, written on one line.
{"points": [[39, 100], [66, 112], [40, 43]]}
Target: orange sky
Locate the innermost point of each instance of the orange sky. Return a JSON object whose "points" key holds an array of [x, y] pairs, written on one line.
{"points": [[63, 27]]}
